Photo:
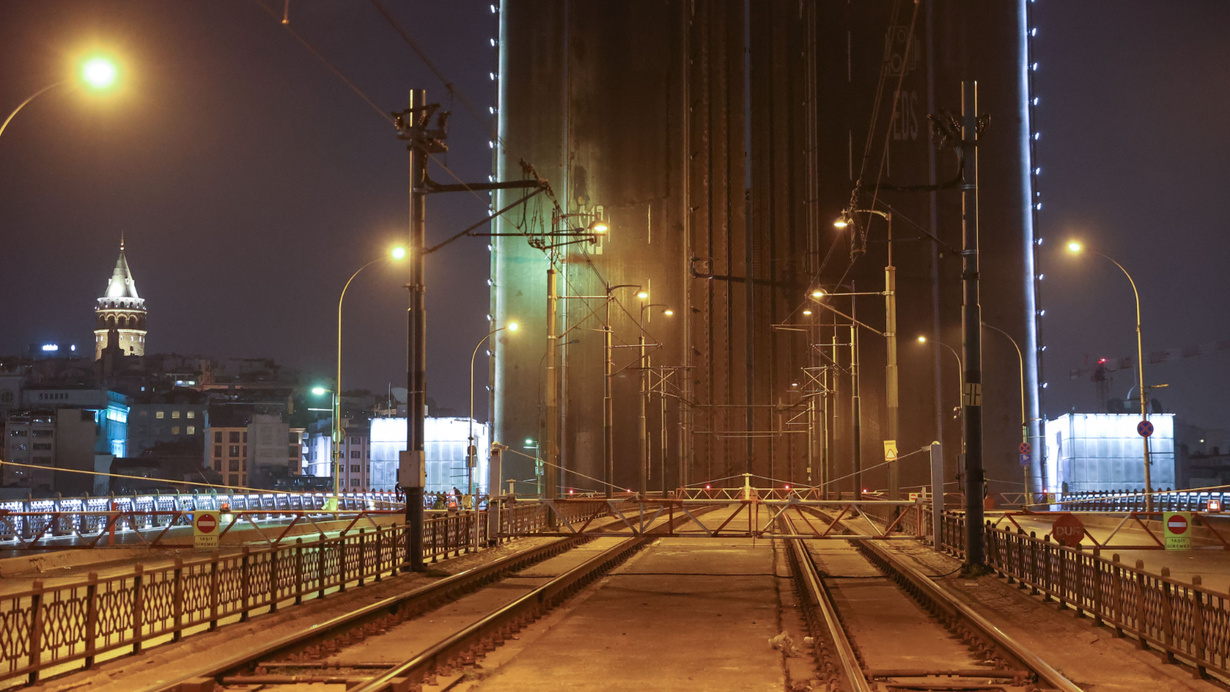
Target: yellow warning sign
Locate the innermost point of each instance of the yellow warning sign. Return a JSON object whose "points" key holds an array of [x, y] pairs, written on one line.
{"points": [[890, 450]]}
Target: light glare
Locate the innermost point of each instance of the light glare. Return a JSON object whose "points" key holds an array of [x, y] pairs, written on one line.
{"points": [[1074, 246], [99, 73]]}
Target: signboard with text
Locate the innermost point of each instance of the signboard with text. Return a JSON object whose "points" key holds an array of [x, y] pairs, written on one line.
{"points": [[1178, 530], [206, 526]]}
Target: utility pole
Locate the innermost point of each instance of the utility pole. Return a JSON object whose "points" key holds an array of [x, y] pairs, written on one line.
{"points": [[552, 469], [412, 470], [423, 126], [890, 374], [971, 322], [856, 408]]}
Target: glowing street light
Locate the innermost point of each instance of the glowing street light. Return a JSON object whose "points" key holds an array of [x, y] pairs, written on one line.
{"points": [[471, 452], [644, 425], [1075, 248], [97, 73], [395, 253]]}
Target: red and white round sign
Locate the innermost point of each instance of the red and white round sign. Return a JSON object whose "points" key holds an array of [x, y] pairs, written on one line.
{"points": [[206, 523], [1177, 524]]}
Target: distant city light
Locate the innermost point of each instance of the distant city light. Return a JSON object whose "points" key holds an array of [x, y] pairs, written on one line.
{"points": [[51, 347]]}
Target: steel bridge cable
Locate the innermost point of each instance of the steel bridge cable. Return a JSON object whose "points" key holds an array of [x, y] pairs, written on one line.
{"points": [[359, 92]]}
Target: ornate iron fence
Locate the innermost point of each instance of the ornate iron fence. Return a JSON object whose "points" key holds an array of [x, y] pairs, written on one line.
{"points": [[76, 623]]}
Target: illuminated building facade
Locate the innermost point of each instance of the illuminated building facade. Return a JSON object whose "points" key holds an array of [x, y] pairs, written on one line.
{"points": [[121, 311], [1103, 452]]}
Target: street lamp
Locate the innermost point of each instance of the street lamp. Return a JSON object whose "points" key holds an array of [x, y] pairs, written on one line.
{"points": [[97, 73], [331, 503], [471, 452], [1075, 248], [608, 408], [643, 432], [531, 444], [856, 398], [1024, 420], [890, 336], [395, 253]]}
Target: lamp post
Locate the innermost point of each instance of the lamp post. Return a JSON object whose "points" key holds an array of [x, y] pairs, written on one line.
{"points": [[856, 400], [960, 382], [97, 73], [890, 338], [608, 410], [396, 253], [1075, 248], [561, 235], [643, 431], [1024, 420], [531, 444], [331, 503], [471, 452]]}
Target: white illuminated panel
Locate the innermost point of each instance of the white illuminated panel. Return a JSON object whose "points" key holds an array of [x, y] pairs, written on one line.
{"points": [[1102, 452], [444, 446]]}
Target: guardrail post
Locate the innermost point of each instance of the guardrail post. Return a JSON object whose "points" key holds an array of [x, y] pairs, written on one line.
{"points": [[1167, 615], [343, 575], [273, 579], [91, 618], [362, 555], [1141, 626], [1033, 564], [1198, 642], [1116, 591], [299, 571], [213, 590], [36, 630], [1080, 567], [321, 547], [380, 533], [1057, 588], [1096, 567], [245, 583], [138, 607], [177, 604]]}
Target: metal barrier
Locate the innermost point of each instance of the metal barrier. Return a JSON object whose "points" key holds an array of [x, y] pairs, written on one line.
{"points": [[23, 519], [1183, 621], [1134, 500], [41, 628]]}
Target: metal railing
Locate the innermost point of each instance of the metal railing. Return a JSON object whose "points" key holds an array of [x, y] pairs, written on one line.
{"points": [[1134, 500], [86, 515], [77, 623], [1184, 621]]}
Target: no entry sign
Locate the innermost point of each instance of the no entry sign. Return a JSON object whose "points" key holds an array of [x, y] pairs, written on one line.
{"points": [[205, 530], [1177, 527]]}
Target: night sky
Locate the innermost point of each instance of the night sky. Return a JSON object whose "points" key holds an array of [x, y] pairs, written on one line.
{"points": [[1135, 157], [250, 182]]}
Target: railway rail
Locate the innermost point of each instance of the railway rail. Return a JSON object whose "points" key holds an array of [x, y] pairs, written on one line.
{"points": [[348, 649], [881, 623]]}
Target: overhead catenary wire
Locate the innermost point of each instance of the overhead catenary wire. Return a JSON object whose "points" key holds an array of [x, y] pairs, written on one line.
{"points": [[336, 71]]}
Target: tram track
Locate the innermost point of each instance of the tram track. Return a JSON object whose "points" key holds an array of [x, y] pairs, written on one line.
{"points": [[878, 623], [480, 609]]}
